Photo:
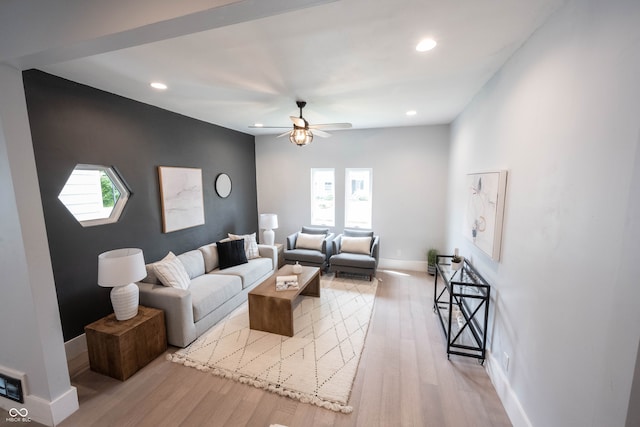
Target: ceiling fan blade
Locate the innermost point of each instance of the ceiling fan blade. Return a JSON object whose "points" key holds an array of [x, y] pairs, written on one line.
{"points": [[283, 134], [331, 126], [321, 133], [298, 121], [270, 127]]}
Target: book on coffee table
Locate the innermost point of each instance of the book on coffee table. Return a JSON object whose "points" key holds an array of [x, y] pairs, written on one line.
{"points": [[287, 283]]}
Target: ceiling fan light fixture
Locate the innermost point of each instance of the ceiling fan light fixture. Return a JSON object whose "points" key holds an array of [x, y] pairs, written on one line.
{"points": [[300, 136]]}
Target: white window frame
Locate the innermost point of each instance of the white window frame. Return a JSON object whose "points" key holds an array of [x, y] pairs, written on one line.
{"points": [[350, 204], [317, 219]]}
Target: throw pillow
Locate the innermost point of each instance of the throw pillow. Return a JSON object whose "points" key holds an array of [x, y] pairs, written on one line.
{"points": [[309, 241], [231, 253], [250, 244], [356, 245], [171, 272]]}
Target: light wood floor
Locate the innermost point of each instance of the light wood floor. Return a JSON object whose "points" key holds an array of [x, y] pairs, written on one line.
{"points": [[404, 379]]}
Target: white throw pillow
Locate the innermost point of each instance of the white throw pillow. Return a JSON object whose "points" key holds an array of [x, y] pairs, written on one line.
{"points": [[310, 241], [356, 245], [171, 272], [250, 244]]}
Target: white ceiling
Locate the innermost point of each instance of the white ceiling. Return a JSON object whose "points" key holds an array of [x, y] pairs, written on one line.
{"points": [[351, 60]]}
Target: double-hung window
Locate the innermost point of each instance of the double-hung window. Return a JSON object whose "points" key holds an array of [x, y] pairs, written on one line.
{"points": [[358, 205], [323, 196]]}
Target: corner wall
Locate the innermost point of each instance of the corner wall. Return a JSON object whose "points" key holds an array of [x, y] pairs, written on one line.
{"points": [[409, 185], [562, 117], [72, 123], [31, 343]]}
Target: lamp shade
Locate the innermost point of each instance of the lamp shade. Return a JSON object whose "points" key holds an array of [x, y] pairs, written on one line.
{"points": [[268, 221], [121, 267]]}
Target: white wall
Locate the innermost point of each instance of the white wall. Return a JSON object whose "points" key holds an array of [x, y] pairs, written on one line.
{"points": [[409, 184], [30, 333], [562, 117]]}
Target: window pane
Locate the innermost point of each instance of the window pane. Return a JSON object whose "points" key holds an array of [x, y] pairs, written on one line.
{"points": [[357, 204], [94, 195], [323, 197]]}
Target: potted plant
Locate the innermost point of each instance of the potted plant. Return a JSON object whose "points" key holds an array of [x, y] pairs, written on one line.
{"points": [[456, 260], [432, 257]]}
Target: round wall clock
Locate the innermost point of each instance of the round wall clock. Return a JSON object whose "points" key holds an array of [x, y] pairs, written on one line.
{"points": [[223, 185]]}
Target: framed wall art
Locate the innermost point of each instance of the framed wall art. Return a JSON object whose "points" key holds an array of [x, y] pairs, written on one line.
{"points": [[485, 211], [182, 198]]}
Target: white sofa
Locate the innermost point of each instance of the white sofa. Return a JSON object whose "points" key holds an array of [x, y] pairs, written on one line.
{"points": [[211, 295]]}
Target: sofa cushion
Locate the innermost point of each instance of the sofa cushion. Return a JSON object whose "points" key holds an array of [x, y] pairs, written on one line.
{"points": [[151, 275], [356, 245], [171, 272], [193, 262], [210, 291], [250, 244], [353, 260], [210, 255], [309, 241], [315, 230], [231, 253], [249, 272]]}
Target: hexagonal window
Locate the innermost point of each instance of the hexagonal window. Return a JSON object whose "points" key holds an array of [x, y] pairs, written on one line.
{"points": [[94, 195]]}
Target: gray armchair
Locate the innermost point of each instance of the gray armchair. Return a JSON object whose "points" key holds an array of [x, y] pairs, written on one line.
{"points": [[355, 252], [309, 248]]}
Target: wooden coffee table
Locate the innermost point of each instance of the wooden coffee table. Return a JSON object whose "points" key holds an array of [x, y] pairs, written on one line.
{"points": [[271, 310]]}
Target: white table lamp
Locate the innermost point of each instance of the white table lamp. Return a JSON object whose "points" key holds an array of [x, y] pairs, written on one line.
{"points": [[268, 222], [118, 269]]}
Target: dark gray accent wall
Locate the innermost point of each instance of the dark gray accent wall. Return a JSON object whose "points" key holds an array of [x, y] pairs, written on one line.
{"points": [[72, 123]]}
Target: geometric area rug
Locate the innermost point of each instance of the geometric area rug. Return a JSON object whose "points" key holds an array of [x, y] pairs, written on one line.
{"points": [[317, 365]]}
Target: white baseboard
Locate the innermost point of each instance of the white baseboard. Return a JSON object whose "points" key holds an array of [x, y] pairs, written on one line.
{"points": [[75, 346], [507, 396], [39, 409], [399, 264], [52, 413]]}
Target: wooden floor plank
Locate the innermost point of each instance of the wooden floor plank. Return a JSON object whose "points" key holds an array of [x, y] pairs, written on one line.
{"points": [[404, 379]]}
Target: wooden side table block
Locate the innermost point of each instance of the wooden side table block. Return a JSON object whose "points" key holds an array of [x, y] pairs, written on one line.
{"points": [[119, 349], [280, 247]]}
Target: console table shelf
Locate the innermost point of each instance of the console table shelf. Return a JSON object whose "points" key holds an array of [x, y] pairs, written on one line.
{"points": [[461, 301]]}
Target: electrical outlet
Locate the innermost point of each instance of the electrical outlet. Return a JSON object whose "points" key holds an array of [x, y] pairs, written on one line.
{"points": [[505, 361]]}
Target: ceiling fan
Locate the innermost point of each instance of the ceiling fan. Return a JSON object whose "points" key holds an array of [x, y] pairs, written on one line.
{"points": [[302, 132]]}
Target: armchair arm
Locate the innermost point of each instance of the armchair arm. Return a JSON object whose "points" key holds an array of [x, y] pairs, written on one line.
{"points": [[178, 311], [335, 244], [291, 241], [327, 245], [267, 251], [374, 248]]}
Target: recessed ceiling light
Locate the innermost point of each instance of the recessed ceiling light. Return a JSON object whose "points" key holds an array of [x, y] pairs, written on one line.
{"points": [[158, 85], [412, 113], [258, 125], [425, 45]]}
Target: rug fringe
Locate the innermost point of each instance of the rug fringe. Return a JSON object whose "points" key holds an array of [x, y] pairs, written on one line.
{"points": [[264, 385]]}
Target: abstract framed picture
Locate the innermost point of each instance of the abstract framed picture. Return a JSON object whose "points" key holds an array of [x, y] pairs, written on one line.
{"points": [[182, 198], [484, 211]]}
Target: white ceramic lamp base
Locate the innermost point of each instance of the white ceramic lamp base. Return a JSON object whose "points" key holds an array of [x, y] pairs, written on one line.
{"points": [[125, 301], [269, 237]]}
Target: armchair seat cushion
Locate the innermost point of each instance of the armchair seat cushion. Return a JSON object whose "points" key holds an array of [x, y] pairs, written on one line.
{"points": [[305, 255], [353, 260], [209, 292]]}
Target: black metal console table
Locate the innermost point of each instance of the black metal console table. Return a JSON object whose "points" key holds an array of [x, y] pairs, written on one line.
{"points": [[461, 300]]}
